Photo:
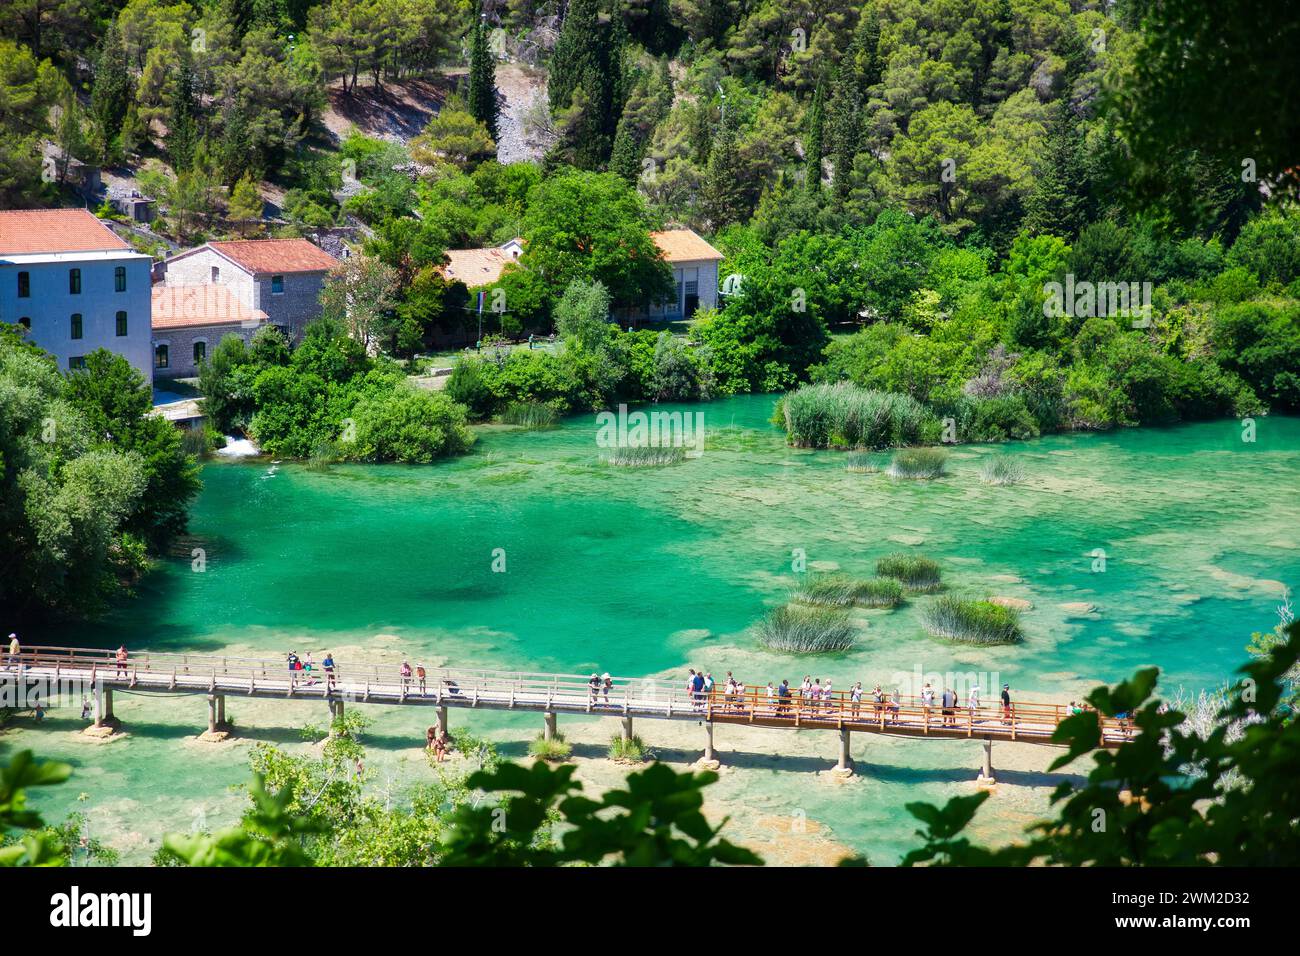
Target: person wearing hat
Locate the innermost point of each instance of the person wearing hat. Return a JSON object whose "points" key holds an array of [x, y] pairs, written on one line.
{"points": [[13, 649], [1006, 703], [594, 685], [607, 684], [421, 676]]}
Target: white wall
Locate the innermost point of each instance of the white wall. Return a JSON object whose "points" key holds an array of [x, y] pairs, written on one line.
{"points": [[51, 305]]}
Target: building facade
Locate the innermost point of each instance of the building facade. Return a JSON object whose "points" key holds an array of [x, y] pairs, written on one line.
{"points": [[75, 286], [189, 321], [281, 278], [695, 275]]}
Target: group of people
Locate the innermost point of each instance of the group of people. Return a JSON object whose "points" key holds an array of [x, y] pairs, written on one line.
{"points": [[815, 697], [438, 742]]}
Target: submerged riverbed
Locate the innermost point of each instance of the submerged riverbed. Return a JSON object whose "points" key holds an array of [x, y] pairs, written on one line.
{"points": [[1138, 547]]}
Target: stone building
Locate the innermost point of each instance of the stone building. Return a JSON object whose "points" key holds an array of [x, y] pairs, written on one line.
{"points": [[189, 321]]}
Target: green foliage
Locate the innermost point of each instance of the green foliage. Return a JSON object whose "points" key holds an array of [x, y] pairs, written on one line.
{"points": [[918, 463], [799, 629], [842, 415], [270, 834], [1002, 470], [553, 751], [655, 821], [644, 456], [530, 415], [964, 621], [841, 590], [629, 750], [914, 571], [21, 772]]}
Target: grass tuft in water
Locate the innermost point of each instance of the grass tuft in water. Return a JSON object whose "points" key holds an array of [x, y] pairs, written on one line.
{"points": [[553, 750], [922, 464], [798, 629], [1002, 470], [641, 456], [530, 415], [844, 415], [861, 461], [841, 590], [964, 621], [915, 572], [629, 751]]}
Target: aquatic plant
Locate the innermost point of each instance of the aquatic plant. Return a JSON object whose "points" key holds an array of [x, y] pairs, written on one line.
{"points": [[806, 630], [861, 461], [553, 750], [1002, 470], [914, 571], [965, 621], [531, 415], [841, 590], [918, 463], [644, 456], [844, 415], [629, 751]]}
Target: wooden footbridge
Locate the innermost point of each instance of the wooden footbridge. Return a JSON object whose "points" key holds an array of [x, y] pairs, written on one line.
{"points": [[218, 677]]}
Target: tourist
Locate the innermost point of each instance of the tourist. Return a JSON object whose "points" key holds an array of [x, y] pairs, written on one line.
{"points": [[855, 696], [406, 677], [690, 687], [607, 684], [927, 700], [697, 689], [440, 746], [328, 664], [805, 692], [307, 665], [828, 700], [771, 698], [878, 701], [293, 669], [1006, 704], [593, 686], [38, 709], [783, 697], [896, 704], [14, 648], [421, 676], [430, 736], [1124, 727], [816, 695], [121, 661], [452, 688], [949, 701], [85, 709], [973, 700]]}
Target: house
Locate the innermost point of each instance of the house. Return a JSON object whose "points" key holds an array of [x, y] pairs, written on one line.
{"points": [[135, 207], [479, 267], [189, 321], [75, 285], [281, 278], [695, 274]]}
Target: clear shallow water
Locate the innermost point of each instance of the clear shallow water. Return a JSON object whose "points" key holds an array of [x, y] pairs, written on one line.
{"points": [[643, 571]]}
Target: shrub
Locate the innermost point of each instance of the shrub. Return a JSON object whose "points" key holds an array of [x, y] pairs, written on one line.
{"points": [[842, 415], [553, 750], [408, 425], [629, 751], [964, 621], [1002, 470], [532, 415], [468, 385], [861, 461], [840, 590], [918, 463], [807, 630], [913, 571], [644, 456]]}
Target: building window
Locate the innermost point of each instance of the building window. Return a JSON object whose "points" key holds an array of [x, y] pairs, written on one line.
{"points": [[121, 323], [277, 285], [160, 356], [26, 322], [74, 281], [24, 285], [76, 325], [216, 273], [119, 279], [76, 362], [200, 352]]}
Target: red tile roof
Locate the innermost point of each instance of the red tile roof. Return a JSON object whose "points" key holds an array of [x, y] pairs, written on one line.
{"points": [[476, 267], [176, 307], [684, 245], [28, 231], [276, 256]]}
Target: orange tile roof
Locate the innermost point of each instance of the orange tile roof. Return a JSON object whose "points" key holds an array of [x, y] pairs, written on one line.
{"points": [[684, 245], [277, 256], [476, 267], [28, 231], [177, 307]]}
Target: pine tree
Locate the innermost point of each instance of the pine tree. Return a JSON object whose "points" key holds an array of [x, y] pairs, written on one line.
{"points": [[1056, 205], [859, 69], [111, 94], [482, 99], [245, 204], [723, 191], [814, 146]]}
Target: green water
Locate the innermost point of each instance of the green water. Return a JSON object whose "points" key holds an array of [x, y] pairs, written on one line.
{"points": [[646, 571]]}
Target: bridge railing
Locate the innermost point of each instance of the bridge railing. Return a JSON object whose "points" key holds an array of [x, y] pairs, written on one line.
{"points": [[749, 702]]}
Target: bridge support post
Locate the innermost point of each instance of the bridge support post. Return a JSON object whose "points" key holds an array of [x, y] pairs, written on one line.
{"points": [[217, 730], [105, 725], [221, 709], [442, 719], [709, 761], [985, 778], [212, 714], [627, 729], [548, 725], [845, 766]]}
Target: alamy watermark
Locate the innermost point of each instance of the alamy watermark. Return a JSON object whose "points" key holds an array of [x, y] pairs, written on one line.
{"points": [[1087, 300], [654, 429]]}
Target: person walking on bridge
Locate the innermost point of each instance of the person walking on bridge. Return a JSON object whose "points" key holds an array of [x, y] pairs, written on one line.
{"points": [[406, 677], [14, 648], [328, 665], [949, 701], [293, 662], [121, 661], [422, 677], [1006, 704]]}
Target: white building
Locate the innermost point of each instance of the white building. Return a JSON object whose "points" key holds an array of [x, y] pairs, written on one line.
{"points": [[282, 278], [75, 286], [695, 274]]}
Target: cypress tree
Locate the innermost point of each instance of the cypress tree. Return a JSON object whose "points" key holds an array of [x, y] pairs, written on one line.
{"points": [[722, 195], [1057, 203], [482, 100], [182, 125], [112, 90], [859, 69], [814, 145]]}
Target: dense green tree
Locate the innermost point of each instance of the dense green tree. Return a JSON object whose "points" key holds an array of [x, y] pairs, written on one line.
{"points": [[482, 97]]}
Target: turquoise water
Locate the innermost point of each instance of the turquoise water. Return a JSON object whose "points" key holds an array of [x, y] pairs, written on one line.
{"points": [[648, 571]]}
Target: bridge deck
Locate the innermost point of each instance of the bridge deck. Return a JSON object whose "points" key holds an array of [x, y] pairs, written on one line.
{"points": [[216, 675]]}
